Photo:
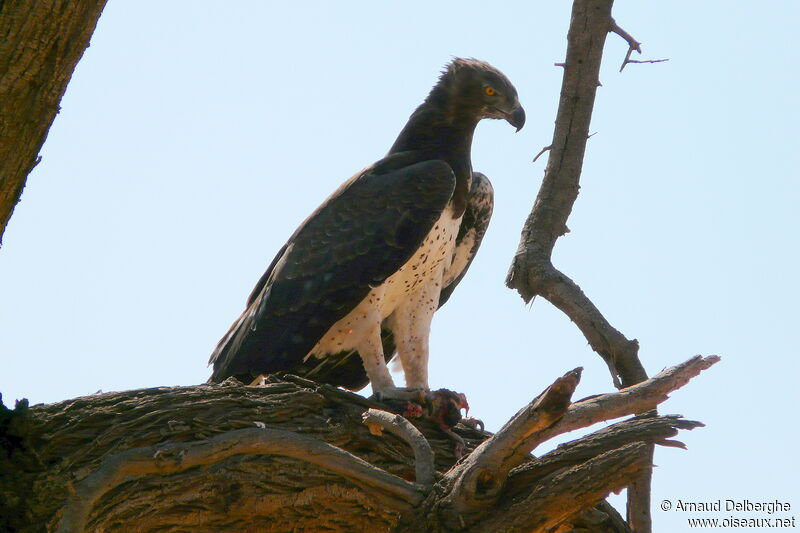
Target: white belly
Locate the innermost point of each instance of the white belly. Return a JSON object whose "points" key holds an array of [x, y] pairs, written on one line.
{"points": [[425, 270]]}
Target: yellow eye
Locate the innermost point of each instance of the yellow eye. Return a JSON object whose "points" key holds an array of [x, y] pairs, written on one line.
{"points": [[489, 91]]}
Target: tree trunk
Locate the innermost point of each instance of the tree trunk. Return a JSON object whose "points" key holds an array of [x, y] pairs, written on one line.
{"points": [[40, 44]]}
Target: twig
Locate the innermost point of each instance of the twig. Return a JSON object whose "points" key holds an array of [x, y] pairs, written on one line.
{"points": [[648, 60], [542, 151], [180, 456], [633, 44], [397, 425]]}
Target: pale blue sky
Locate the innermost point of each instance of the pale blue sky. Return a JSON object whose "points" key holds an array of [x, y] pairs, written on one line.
{"points": [[193, 139]]}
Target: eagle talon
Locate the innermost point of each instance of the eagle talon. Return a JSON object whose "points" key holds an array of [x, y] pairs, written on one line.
{"points": [[460, 444]]}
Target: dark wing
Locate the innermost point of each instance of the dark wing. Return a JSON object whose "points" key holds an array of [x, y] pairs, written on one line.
{"points": [[345, 368], [480, 203], [356, 239]]}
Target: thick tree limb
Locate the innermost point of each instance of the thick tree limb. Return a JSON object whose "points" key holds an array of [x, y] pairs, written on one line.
{"points": [[168, 459], [481, 476], [568, 492], [41, 44], [395, 424], [248, 492], [177, 457]]}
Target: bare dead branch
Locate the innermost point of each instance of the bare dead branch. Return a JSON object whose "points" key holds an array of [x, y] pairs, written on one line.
{"points": [[477, 483], [483, 473], [635, 399], [619, 353], [531, 271], [650, 429], [633, 44], [177, 457], [398, 426], [648, 60], [568, 492], [542, 151], [559, 188]]}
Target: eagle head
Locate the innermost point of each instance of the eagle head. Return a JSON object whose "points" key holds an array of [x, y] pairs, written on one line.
{"points": [[475, 89]]}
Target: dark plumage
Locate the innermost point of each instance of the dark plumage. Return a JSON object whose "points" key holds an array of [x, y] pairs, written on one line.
{"points": [[363, 274]]}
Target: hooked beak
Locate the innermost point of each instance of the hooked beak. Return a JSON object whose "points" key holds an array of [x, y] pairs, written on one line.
{"points": [[516, 117]]}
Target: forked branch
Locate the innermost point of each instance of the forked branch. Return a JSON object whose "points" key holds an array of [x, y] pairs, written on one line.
{"points": [[532, 272], [633, 45], [475, 485], [636, 399], [650, 429]]}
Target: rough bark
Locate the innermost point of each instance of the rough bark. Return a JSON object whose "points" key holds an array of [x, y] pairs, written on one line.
{"points": [[40, 44], [293, 455]]}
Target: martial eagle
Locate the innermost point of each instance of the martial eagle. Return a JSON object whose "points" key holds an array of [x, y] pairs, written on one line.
{"points": [[362, 276]]}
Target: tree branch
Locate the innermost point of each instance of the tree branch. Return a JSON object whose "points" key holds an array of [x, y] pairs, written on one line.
{"points": [[633, 44], [532, 272], [559, 189], [636, 399], [397, 425], [619, 353], [650, 429], [482, 475], [475, 485], [567, 493], [177, 457]]}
